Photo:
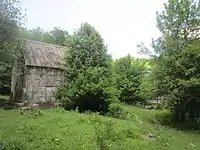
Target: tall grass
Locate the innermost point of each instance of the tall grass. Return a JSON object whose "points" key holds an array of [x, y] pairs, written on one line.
{"points": [[58, 129]]}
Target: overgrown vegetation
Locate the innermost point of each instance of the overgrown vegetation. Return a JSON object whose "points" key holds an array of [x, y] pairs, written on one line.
{"points": [[94, 82], [129, 73], [116, 111], [175, 71], [55, 36], [10, 20], [89, 84], [57, 129]]}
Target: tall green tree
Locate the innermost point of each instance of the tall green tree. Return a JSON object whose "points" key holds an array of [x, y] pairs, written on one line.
{"points": [[86, 49], [10, 20], [179, 25], [129, 73], [56, 36], [88, 72]]}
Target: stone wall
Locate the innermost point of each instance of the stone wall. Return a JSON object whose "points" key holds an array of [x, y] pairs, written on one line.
{"points": [[40, 84]]}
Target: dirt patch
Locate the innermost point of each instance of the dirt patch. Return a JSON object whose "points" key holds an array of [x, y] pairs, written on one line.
{"points": [[149, 136]]}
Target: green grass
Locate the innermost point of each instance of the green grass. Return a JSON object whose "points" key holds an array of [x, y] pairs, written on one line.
{"points": [[4, 97], [61, 130]]}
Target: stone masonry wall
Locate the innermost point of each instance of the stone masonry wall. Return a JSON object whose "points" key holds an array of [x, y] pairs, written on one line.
{"points": [[40, 84]]}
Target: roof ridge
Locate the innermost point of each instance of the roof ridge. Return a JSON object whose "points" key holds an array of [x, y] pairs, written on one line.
{"points": [[44, 43]]}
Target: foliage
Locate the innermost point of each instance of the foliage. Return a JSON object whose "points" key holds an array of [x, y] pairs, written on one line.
{"points": [[10, 20], [105, 134], [163, 118], [86, 49], [88, 75], [175, 70], [90, 91], [147, 86], [56, 36], [58, 129], [129, 73], [132, 133], [116, 111]]}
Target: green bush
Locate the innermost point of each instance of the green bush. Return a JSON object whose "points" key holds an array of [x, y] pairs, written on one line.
{"points": [[129, 73], [89, 82], [131, 133], [92, 90], [105, 134], [116, 111], [141, 104], [163, 118]]}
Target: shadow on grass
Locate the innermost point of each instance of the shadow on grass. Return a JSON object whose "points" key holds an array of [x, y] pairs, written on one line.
{"points": [[166, 119], [7, 105]]}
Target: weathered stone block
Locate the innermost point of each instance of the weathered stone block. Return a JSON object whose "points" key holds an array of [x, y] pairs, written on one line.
{"points": [[41, 83], [39, 71], [28, 96], [29, 86], [51, 73], [32, 71], [58, 82], [53, 98], [28, 77]]}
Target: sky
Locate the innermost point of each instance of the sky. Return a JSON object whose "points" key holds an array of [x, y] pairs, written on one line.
{"points": [[122, 23]]}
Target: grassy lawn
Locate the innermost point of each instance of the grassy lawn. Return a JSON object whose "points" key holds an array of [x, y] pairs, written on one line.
{"points": [[57, 129], [4, 97]]}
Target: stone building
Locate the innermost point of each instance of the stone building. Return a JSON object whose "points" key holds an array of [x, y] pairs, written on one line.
{"points": [[42, 72]]}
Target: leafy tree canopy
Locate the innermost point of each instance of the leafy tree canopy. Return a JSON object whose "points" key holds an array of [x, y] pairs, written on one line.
{"points": [[174, 69], [10, 20], [129, 73], [88, 72], [56, 36]]}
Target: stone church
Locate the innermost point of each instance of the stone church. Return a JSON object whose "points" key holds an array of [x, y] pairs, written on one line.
{"points": [[42, 73]]}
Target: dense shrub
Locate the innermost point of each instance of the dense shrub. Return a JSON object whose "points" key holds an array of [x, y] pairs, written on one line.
{"points": [[10, 20], [106, 134], [117, 111], [176, 57], [129, 73], [89, 82], [147, 87], [131, 133], [90, 91], [163, 118]]}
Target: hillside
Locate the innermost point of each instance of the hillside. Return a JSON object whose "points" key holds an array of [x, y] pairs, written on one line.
{"points": [[59, 129]]}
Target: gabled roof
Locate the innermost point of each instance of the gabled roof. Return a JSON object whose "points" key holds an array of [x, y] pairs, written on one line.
{"points": [[44, 54]]}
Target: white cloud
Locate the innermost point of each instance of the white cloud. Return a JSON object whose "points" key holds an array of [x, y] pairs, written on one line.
{"points": [[122, 23]]}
